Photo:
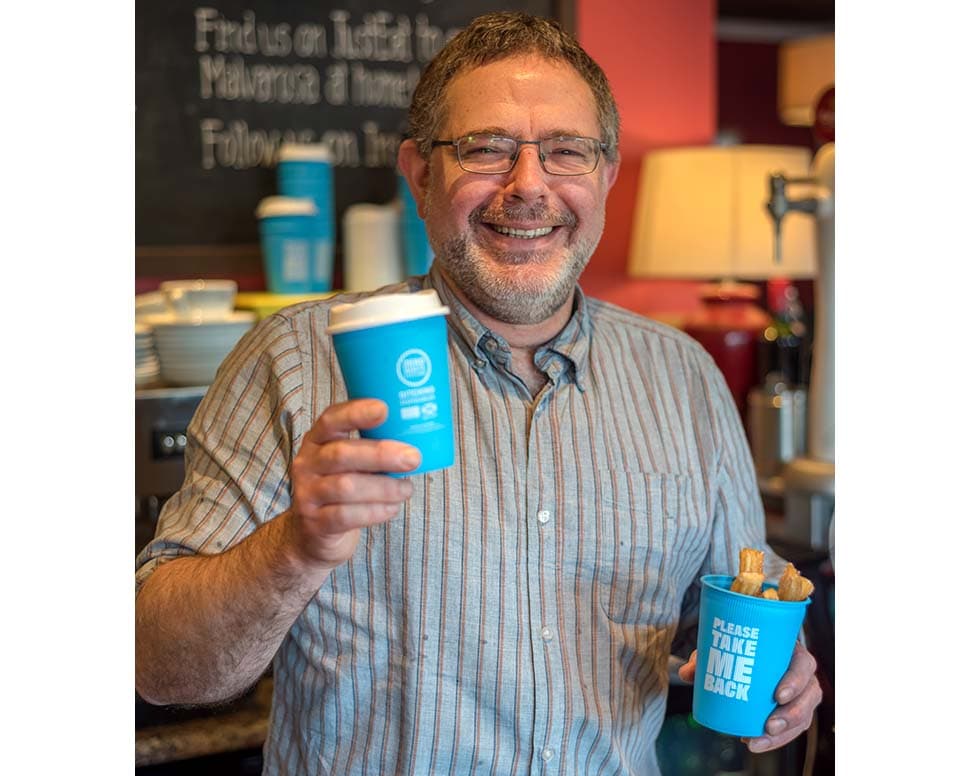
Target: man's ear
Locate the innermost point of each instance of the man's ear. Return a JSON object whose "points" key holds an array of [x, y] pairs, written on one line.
{"points": [[415, 169], [612, 170]]}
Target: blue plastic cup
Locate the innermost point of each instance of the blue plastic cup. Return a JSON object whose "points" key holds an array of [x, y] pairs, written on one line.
{"points": [[394, 347], [744, 646], [418, 254], [296, 259], [305, 171]]}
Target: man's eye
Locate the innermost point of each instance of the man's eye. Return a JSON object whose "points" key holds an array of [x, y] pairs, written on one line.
{"points": [[483, 150], [568, 151]]}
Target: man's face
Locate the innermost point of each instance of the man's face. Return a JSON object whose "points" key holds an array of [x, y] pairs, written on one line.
{"points": [[515, 243]]}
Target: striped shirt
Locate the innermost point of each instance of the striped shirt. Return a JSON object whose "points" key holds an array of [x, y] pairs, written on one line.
{"points": [[519, 616]]}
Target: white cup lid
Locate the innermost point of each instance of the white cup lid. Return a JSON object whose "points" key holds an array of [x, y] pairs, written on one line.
{"points": [[304, 152], [285, 206], [383, 309]]}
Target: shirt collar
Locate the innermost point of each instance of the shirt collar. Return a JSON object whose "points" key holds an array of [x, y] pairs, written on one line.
{"points": [[572, 342]]}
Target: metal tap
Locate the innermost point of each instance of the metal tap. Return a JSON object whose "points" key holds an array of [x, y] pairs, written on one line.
{"points": [[778, 204]]}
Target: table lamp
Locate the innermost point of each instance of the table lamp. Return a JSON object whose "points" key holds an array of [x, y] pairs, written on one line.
{"points": [[700, 214], [806, 68]]}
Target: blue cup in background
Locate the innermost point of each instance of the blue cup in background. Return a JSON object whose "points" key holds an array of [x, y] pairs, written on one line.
{"points": [[305, 171], [744, 646], [293, 252], [394, 347], [414, 237]]}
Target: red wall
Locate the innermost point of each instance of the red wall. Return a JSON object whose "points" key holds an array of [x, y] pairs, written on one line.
{"points": [[660, 58]]}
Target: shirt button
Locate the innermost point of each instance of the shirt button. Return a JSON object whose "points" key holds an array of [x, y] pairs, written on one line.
{"points": [[479, 363], [543, 516], [547, 754], [546, 633], [490, 345]]}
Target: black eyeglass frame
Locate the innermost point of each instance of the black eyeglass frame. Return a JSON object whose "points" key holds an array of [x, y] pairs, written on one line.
{"points": [[601, 149]]}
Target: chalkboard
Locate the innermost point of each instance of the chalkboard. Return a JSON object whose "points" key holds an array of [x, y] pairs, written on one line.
{"points": [[219, 86]]}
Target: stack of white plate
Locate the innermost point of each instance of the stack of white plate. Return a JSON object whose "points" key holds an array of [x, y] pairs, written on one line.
{"points": [[147, 366], [152, 303], [190, 351]]}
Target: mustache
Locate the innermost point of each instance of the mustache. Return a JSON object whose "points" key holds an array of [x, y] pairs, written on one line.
{"points": [[519, 213]]}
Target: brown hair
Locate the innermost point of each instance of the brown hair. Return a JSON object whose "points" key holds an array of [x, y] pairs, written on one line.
{"points": [[498, 36]]}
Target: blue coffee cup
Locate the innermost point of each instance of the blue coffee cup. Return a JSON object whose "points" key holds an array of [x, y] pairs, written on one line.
{"points": [[394, 347], [305, 171], [418, 254], [296, 259], [744, 647]]}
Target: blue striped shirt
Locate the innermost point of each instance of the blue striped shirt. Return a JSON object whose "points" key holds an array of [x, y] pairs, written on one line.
{"points": [[519, 616]]}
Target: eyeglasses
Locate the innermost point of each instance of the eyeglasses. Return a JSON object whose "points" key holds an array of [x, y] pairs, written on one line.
{"points": [[493, 154]]}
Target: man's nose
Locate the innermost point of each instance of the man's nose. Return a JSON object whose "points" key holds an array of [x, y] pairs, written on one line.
{"points": [[527, 180]]}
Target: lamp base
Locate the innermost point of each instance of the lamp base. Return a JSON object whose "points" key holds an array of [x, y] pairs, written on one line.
{"points": [[729, 327]]}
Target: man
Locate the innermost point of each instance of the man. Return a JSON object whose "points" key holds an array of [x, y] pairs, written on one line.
{"points": [[516, 612]]}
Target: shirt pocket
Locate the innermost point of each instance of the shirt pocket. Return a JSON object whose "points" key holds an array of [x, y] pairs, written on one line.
{"points": [[645, 519]]}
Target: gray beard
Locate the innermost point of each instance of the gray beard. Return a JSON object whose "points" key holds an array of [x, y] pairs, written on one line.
{"points": [[509, 300]]}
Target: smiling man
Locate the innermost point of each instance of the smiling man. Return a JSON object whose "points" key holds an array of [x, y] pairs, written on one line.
{"points": [[519, 611]]}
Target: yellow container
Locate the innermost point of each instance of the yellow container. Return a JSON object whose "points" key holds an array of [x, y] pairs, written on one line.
{"points": [[265, 304]]}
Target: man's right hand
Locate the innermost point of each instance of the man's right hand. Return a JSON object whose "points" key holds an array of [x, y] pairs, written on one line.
{"points": [[338, 484]]}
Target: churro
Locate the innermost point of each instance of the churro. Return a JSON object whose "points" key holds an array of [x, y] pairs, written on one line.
{"points": [[752, 561], [793, 586], [748, 583], [750, 579]]}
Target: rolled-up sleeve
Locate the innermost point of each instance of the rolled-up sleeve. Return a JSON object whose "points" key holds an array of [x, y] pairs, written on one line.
{"points": [[239, 446]]}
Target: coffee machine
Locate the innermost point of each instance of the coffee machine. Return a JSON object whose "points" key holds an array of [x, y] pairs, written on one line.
{"points": [[162, 416], [809, 480]]}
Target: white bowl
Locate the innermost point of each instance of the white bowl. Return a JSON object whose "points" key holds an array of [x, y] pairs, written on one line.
{"points": [[152, 303], [200, 299], [164, 324]]}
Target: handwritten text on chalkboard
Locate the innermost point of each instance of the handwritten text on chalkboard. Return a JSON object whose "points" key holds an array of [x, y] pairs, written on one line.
{"points": [[242, 60]]}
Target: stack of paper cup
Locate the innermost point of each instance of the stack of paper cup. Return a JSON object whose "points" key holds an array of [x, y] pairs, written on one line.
{"points": [[296, 259], [372, 248], [305, 171]]}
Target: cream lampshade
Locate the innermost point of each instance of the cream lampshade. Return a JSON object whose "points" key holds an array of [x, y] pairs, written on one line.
{"points": [[806, 69], [700, 213]]}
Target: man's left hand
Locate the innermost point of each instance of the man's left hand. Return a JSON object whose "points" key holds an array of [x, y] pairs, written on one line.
{"points": [[798, 693]]}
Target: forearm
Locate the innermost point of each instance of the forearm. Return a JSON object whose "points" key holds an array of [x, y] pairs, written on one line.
{"points": [[206, 627]]}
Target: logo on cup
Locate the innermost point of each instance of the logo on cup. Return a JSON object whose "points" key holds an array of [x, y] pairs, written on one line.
{"points": [[414, 367]]}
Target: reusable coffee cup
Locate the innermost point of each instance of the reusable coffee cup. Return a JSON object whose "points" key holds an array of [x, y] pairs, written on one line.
{"points": [[296, 259], [744, 647], [394, 347], [305, 171], [414, 237]]}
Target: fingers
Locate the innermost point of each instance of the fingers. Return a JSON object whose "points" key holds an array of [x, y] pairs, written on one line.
{"points": [[355, 455], [798, 693], [688, 670], [341, 518], [789, 721], [328, 449], [314, 497], [339, 484], [338, 420], [801, 671]]}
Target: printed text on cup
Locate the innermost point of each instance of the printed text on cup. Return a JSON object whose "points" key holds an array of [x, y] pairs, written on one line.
{"points": [[731, 659]]}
